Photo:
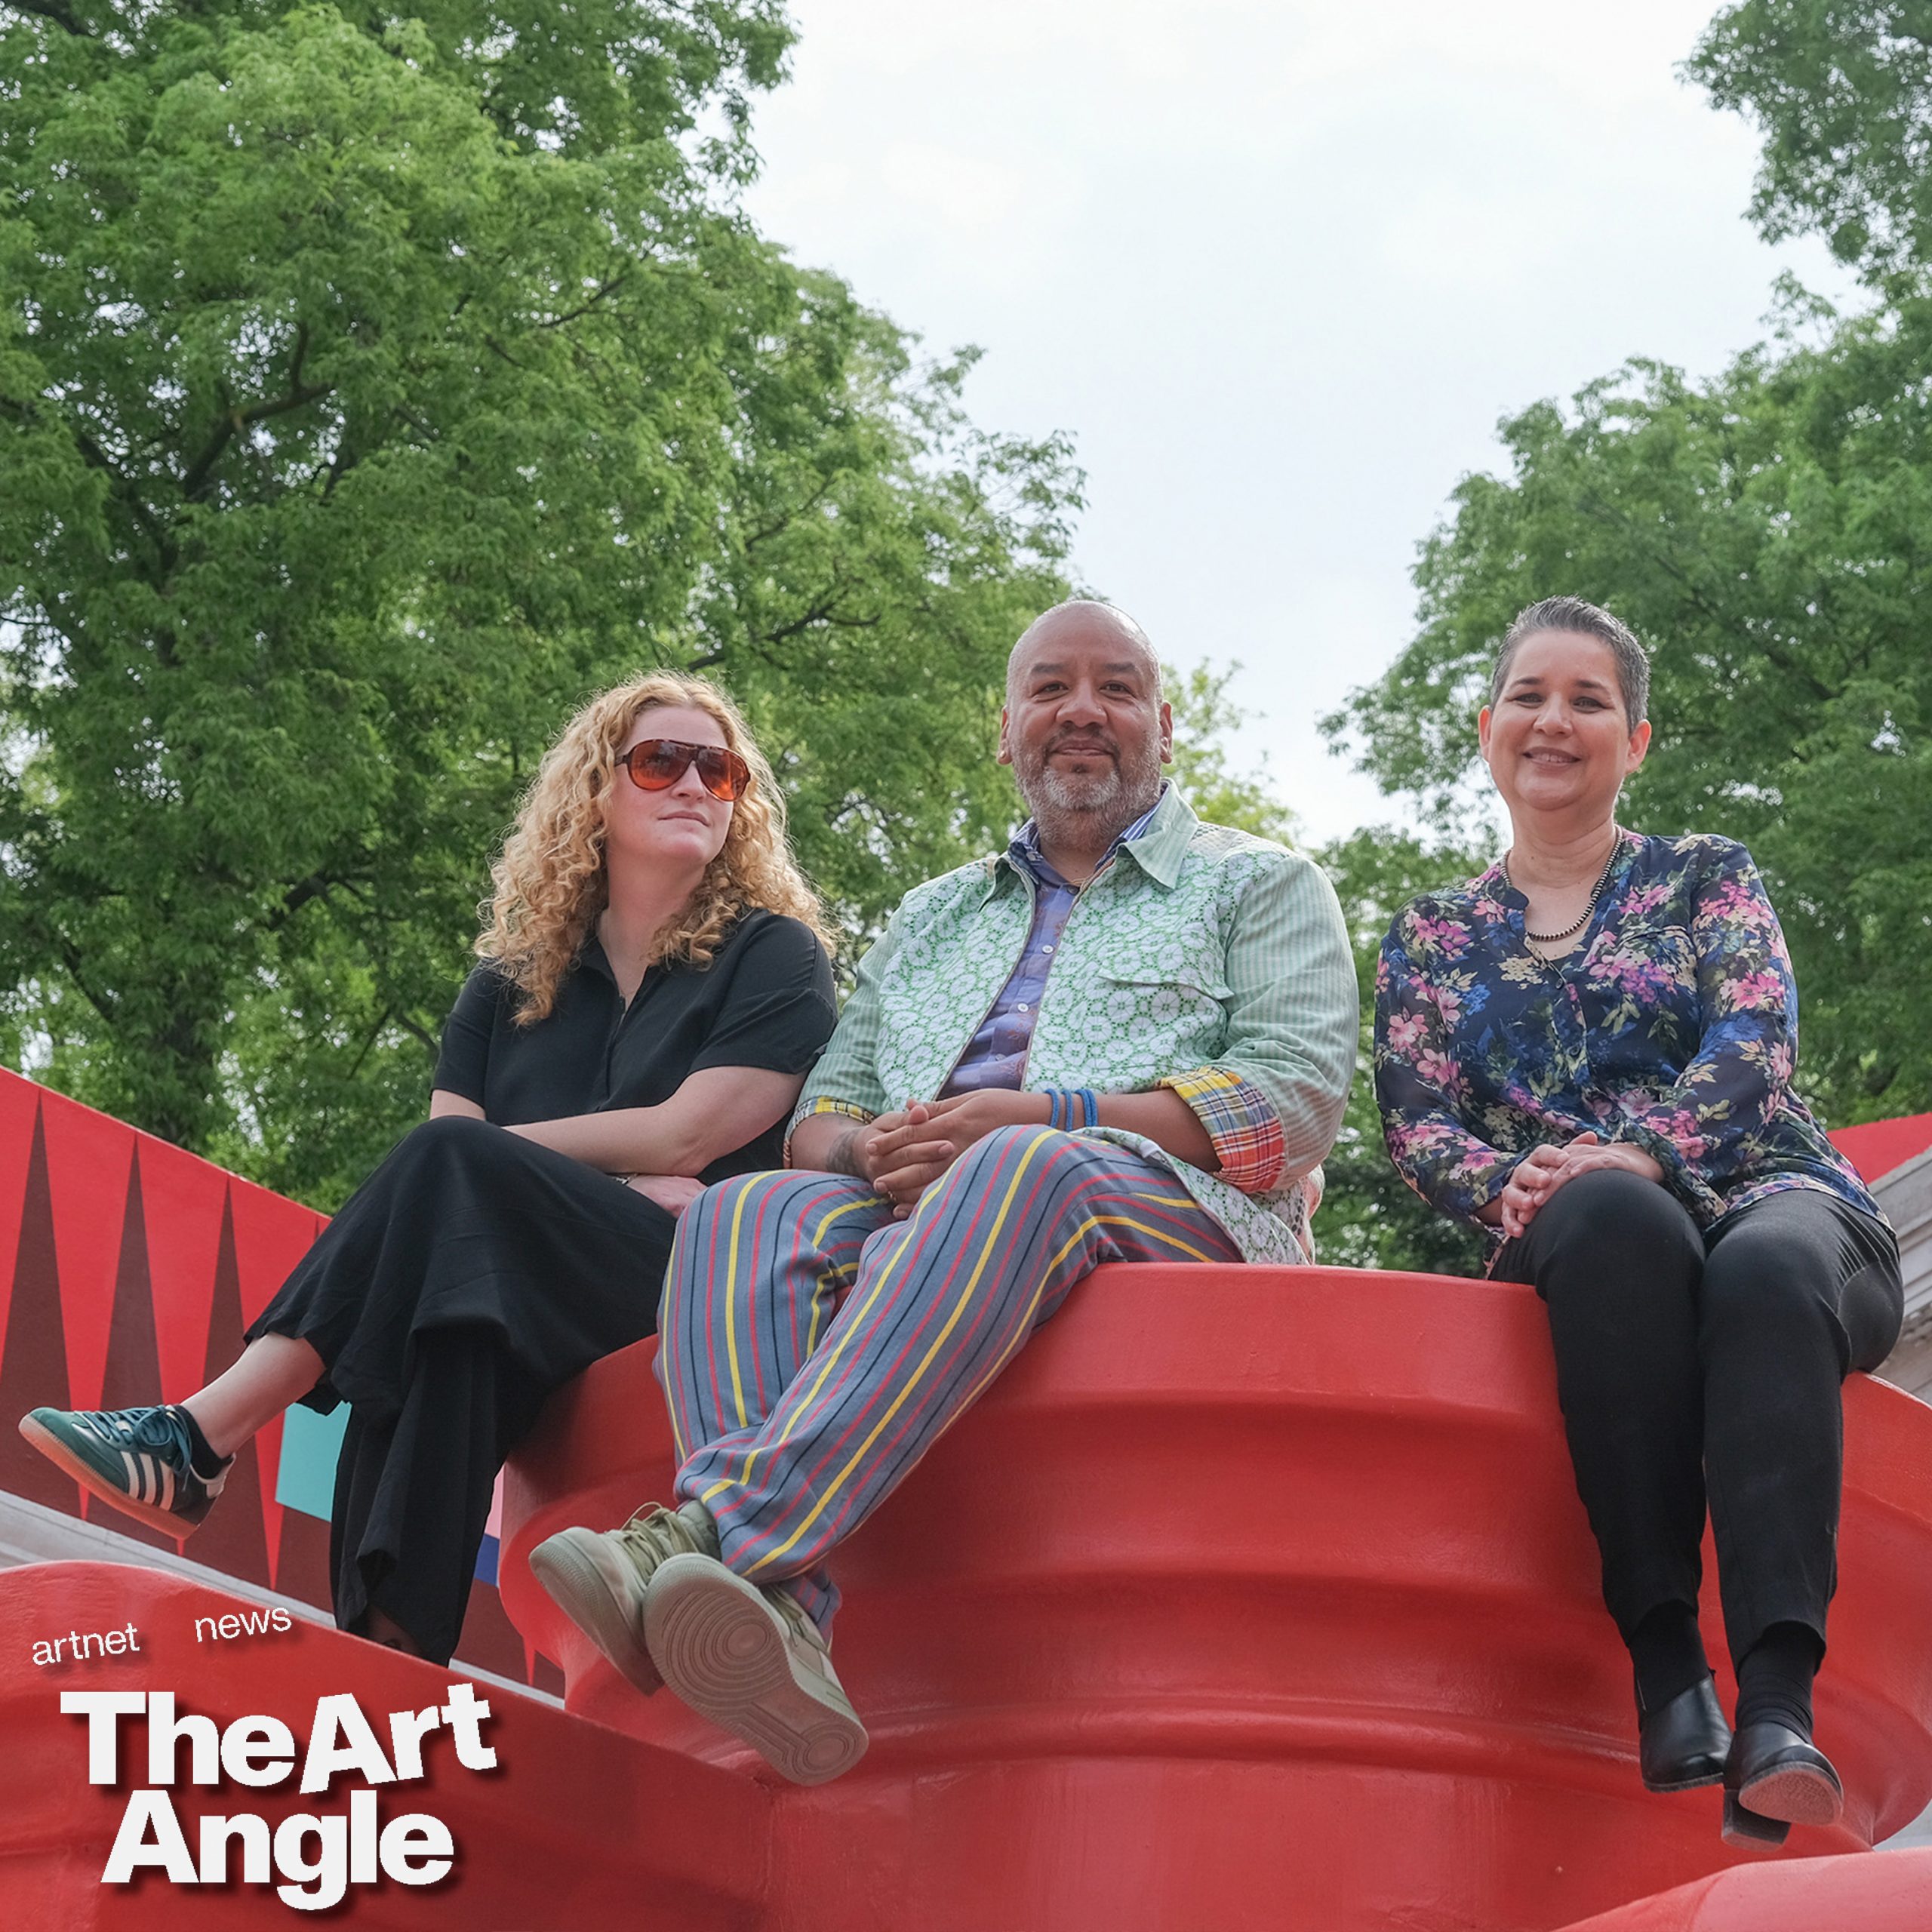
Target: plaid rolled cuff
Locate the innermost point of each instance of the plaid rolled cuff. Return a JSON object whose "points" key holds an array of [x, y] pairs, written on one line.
{"points": [[822, 1103], [1245, 1129]]}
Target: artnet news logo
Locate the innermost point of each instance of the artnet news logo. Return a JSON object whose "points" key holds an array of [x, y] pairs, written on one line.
{"points": [[311, 1857]]}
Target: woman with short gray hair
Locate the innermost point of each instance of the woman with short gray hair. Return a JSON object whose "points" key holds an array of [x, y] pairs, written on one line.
{"points": [[1587, 1052]]}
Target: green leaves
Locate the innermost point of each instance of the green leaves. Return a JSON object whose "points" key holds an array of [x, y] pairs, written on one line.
{"points": [[370, 394], [1204, 714], [1841, 91], [1369, 1217]]}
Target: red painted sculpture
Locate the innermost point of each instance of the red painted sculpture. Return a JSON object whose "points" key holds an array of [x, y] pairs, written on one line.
{"points": [[1255, 1597], [1246, 1598], [128, 1270]]}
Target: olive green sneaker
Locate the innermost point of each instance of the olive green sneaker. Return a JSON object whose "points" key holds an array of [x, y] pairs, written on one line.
{"points": [[597, 1578], [754, 1662]]}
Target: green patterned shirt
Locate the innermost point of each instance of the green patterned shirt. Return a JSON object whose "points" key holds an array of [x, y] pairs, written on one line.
{"points": [[1198, 958]]}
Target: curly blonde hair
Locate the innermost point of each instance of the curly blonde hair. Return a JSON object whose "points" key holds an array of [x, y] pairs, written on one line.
{"points": [[550, 880]]}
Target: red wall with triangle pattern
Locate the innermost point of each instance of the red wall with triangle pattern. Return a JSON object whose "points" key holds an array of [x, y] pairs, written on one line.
{"points": [[128, 1270]]}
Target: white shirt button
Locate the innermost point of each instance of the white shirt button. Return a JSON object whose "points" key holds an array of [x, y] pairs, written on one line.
{"points": [[1020, 1009]]}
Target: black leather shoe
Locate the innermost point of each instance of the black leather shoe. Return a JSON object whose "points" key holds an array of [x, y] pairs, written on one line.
{"points": [[1685, 1743], [1779, 1773]]}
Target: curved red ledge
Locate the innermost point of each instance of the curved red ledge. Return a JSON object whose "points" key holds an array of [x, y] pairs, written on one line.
{"points": [[1862, 1894], [1250, 1596]]}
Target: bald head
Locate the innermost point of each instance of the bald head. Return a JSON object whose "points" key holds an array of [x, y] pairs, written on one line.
{"points": [[1084, 727], [1082, 623]]}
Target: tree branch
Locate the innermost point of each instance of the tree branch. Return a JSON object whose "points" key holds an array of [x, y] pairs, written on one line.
{"points": [[787, 518], [48, 10], [368, 1045], [819, 613], [418, 1032], [497, 350], [126, 491], [233, 421], [316, 885], [344, 460], [608, 288], [104, 1004], [1608, 513]]}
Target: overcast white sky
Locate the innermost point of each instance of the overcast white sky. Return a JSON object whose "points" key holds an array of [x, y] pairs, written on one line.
{"points": [[1280, 266]]}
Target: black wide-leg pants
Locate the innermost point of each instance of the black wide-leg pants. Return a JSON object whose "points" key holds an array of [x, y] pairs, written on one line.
{"points": [[1689, 1365], [472, 1275]]}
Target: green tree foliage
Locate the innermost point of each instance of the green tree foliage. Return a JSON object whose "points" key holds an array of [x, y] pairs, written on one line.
{"points": [[1841, 91], [370, 393], [1764, 533], [1370, 1217], [1205, 771]]}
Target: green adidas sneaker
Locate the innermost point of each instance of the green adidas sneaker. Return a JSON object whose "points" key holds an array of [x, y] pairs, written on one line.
{"points": [[140, 1460]]}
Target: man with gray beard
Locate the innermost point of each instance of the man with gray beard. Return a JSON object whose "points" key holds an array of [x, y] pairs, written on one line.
{"points": [[1128, 1037]]}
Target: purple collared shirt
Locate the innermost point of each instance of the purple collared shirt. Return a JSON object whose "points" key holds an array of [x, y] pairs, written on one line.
{"points": [[996, 1054]]}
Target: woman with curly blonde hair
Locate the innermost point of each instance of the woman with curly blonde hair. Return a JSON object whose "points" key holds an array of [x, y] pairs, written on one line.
{"points": [[653, 986]]}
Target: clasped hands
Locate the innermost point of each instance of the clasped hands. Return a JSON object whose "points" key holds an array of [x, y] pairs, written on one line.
{"points": [[1543, 1169], [901, 1154]]}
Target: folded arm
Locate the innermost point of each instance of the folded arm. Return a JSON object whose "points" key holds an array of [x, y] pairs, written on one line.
{"points": [[714, 1110], [1266, 1108], [904, 1153]]}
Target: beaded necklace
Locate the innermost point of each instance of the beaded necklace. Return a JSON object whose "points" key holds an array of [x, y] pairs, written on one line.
{"points": [[1589, 910]]}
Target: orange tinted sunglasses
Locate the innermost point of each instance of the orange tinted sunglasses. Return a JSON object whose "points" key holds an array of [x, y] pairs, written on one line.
{"points": [[655, 764]]}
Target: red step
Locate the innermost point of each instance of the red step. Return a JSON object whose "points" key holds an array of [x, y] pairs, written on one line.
{"points": [[1250, 1598]]}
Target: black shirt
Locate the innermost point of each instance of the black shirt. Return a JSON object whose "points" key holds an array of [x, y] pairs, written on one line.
{"points": [[764, 1001]]}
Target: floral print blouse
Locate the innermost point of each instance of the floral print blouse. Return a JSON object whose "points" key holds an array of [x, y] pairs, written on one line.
{"points": [[1673, 1024]]}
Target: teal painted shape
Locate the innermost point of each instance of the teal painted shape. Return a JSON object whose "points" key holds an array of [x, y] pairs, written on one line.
{"points": [[310, 1443]]}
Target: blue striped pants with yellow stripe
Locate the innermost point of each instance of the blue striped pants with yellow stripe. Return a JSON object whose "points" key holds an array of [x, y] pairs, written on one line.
{"points": [[812, 1348]]}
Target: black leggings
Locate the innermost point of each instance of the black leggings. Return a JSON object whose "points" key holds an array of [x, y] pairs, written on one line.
{"points": [[1688, 1363]]}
